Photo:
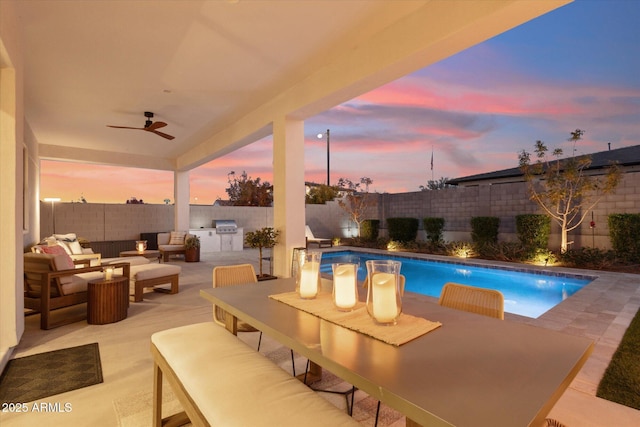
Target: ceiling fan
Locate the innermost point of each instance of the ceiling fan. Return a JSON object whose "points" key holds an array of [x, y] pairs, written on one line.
{"points": [[149, 126]]}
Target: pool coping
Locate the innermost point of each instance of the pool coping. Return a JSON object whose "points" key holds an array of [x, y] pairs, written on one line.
{"points": [[476, 262]]}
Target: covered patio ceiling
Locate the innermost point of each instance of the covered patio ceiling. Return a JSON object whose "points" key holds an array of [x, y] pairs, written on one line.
{"points": [[219, 72]]}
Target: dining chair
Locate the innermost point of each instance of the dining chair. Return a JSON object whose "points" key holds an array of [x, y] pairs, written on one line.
{"points": [[487, 302], [233, 275]]}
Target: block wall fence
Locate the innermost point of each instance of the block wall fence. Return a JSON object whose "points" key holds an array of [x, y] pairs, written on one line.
{"points": [[115, 222]]}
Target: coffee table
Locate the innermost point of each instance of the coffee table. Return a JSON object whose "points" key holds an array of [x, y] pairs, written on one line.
{"points": [[472, 371], [107, 300], [149, 253]]}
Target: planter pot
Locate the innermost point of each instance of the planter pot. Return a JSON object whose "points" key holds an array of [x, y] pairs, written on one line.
{"points": [[192, 255]]}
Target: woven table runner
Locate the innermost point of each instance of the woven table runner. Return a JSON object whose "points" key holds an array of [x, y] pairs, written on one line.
{"points": [[407, 328]]}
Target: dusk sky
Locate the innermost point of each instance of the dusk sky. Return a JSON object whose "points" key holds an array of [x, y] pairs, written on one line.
{"points": [[576, 67]]}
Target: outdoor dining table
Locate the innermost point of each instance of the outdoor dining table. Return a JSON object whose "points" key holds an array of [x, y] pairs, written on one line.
{"points": [[471, 371]]}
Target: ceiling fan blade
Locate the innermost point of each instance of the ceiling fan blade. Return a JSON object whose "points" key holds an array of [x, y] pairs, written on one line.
{"points": [[162, 134], [123, 127], [156, 125]]}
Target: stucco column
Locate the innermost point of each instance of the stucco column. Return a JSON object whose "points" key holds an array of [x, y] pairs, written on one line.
{"points": [[288, 191], [11, 226], [181, 197]]}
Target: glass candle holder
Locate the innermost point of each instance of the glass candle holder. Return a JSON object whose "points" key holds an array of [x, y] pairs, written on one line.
{"points": [[308, 274], [345, 286], [384, 301], [108, 273], [141, 245]]}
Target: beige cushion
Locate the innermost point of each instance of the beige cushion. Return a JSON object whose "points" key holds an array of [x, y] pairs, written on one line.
{"points": [[177, 238], [163, 238], [153, 271], [79, 282], [233, 385], [131, 260]]}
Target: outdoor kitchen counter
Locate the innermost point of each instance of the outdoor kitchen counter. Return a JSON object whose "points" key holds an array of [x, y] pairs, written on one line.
{"points": [[210, 241]]}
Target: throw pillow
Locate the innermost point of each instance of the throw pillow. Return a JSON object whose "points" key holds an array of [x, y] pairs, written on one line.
{"points": [[177, 238], [61, 260], [75, 247], [70, 237], [64, 246]]}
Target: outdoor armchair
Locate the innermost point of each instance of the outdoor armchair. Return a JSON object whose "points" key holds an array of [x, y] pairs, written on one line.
{"points": [[52, 281]]}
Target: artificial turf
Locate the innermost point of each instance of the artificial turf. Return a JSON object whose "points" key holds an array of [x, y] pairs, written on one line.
{"points": [[621, 380]]}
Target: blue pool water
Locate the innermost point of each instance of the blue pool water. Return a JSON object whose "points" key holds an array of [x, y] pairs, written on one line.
{"points": [[526, 294]]}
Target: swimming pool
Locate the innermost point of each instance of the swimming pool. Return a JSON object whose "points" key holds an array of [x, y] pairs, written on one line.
{"points": [[525, 293]]}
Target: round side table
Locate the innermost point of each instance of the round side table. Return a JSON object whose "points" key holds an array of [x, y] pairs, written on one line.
{"points": [[107, 300]]}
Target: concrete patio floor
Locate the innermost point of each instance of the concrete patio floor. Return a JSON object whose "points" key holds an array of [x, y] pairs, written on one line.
{"points": [[601, 311]]}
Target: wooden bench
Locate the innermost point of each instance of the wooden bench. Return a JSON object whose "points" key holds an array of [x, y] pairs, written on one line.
{"points": [[221, 381]]}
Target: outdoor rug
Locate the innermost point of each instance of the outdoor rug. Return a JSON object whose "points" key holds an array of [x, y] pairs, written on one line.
{"points": [[46, 374]]}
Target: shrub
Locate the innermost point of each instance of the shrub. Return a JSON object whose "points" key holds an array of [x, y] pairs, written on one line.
{"points": [[321, 194], [533, 230], [503, 251], [624, 231], [369, 229], [588, 258], [459, 249], [433, 228], [403, 229], [484, 229]]}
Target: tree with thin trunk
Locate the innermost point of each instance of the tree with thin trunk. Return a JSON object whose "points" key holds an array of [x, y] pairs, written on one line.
{"points": [[563, 188], [357, 201]]}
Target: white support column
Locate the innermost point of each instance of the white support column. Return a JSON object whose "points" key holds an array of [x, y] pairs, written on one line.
{"points": [[181, 198], [288, 191], [11, 226]]}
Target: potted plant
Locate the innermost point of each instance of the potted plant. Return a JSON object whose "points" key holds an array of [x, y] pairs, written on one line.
{"points": [[266, 237], [192, 248]]}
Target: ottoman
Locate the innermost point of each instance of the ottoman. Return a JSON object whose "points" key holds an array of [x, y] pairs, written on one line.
{"points": [[151, 275]]}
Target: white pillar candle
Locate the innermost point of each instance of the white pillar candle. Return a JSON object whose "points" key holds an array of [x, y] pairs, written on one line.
{"points": [[108, 273], [309, 279], [344, 286], [385, 307]]}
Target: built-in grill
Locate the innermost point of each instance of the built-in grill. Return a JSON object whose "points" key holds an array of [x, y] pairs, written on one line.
{"points": [[225, 226]]}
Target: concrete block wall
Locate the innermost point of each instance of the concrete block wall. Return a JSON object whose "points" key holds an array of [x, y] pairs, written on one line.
{"points": [[458, 205], [248, 217], [329, 221], [106, 222]]}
